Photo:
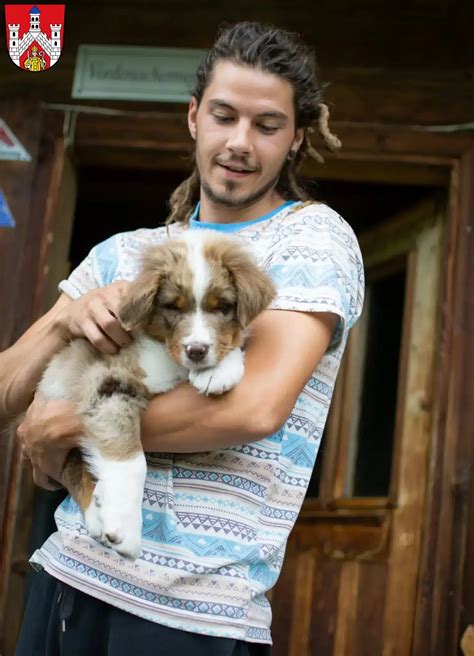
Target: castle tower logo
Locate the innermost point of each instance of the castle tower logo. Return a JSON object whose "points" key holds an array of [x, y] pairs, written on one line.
{"points": [[35, 35]]}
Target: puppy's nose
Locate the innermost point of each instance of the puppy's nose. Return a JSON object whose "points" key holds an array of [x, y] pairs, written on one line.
{"points": [[196, 351]]}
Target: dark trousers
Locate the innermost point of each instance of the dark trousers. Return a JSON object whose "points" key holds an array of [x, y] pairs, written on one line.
{"points": [[62, 621]]}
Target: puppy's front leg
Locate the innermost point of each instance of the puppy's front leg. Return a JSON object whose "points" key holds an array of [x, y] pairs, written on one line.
{"points": [[118, 496], [221, 378]]}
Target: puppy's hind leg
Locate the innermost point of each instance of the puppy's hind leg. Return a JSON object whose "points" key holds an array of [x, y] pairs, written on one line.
{"points": [[114, 453], [80, 485]]}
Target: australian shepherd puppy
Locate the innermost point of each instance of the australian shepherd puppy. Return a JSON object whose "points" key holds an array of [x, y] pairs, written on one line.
{"points": [[188, 310]]}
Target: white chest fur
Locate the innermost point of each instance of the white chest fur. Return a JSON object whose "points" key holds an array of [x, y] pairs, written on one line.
{"points": [[161, 371]]}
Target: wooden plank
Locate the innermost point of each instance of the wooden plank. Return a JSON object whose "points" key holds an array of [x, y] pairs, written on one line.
{"points": [[22, 253], [20, 504], [413, 438], [324, 609], [439, 601], [466, 614], [375, 86], [17, 184], [398, 235], [344, 638], [350, 410], [283, 596], [301, 625], [368, 627]]}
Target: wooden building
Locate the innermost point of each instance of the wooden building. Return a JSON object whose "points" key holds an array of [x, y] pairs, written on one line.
{"points": [[379, 563]]}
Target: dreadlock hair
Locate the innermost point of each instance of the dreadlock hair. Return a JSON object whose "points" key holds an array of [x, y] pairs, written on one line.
{"points": [[276, 51]]}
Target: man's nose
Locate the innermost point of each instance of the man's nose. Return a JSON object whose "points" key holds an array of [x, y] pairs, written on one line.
{"points": [[239, 141], [197, 351]]}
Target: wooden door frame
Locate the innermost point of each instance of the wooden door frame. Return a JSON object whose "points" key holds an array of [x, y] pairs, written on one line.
{"points": [[385, 154], [391, 154]]}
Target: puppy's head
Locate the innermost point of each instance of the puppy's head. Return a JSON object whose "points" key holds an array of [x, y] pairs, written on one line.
{"points": [[197, 295]]}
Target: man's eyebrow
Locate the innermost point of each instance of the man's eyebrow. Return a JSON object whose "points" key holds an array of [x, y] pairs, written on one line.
{"points": [[222, 104], [216, 103]]}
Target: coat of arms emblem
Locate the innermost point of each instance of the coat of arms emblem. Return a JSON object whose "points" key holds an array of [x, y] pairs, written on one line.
{"points": [[35, 35]]}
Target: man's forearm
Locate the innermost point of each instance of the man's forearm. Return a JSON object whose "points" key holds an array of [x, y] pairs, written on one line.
{"points": [[21, 367], [184, 421]]}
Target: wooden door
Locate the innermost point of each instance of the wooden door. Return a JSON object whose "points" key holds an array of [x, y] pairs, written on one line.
{"points": [[40, 194], [349, 581]]}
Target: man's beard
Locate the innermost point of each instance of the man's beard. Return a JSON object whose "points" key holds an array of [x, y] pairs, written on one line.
{"points": [[226, 198]]}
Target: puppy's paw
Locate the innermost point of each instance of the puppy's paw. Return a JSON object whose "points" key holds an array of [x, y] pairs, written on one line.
{"points": [[93, 520], [221, 378], [119, 496], [130, 546], [122, 528]]}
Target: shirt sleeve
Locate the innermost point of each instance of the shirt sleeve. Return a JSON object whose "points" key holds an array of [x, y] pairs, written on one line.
{"points": [[318, 268], [96, 270]]}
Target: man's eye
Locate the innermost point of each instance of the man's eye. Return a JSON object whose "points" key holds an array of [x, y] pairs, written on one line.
{"points": [[220, 118], [268, 129]]}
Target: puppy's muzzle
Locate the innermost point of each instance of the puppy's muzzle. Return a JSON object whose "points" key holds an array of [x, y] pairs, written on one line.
{"points": [[196, 351]]}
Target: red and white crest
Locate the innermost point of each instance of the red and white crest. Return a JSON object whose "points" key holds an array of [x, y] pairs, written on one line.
{"points": [[35, 35]]}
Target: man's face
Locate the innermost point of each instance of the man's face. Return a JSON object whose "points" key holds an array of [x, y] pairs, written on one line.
{"points": [[244, 129]]}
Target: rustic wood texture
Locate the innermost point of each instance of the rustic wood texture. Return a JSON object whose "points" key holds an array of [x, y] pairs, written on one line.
{"points": [[347, 559], [324, 607], [23, 251], [368, 635], [17, 278], [439, 601], [412, 443], [466, 616], [404, 63], [365, 533], [282, 611], [21, 503]]}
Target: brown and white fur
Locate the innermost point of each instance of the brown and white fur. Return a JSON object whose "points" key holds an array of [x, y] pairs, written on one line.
{"points": [[188, 311]]}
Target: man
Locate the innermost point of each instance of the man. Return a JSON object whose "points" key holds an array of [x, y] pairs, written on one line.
{"points": [[227, 476]]}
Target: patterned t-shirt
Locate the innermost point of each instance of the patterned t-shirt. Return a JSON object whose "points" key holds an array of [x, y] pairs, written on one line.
{"points": [[216, 524]]}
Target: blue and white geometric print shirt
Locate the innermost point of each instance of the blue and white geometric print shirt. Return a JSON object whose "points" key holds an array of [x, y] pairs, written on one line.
{"points": [[215, 524]]}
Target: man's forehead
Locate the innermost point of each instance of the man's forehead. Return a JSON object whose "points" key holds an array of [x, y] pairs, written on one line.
{"points": [[246, 87]]}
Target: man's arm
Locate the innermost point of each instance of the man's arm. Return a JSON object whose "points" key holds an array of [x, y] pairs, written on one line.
{"points": [[92, 315], [282, 352], [23, 363]]}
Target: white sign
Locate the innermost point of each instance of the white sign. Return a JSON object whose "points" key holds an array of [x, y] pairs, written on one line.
{"points": [[10, 147], [136, 73]]}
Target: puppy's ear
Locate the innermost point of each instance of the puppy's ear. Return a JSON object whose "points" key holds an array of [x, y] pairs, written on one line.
{"points": [[137, 303], [157, 264], [255, 289]]}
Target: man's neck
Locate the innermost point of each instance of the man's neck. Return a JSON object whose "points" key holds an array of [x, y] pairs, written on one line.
{"points": [[210, 212]]}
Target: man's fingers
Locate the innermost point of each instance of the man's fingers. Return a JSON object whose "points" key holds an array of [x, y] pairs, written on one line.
{"points": [[99, 339], [44, 481], [110, 325], [24, 453]]}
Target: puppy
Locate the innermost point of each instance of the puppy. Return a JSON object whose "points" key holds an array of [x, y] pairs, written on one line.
{"points": [[188, 311]]}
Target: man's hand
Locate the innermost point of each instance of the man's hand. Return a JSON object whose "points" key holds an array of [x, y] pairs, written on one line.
{"points": [[94, 316], [50, 429]]}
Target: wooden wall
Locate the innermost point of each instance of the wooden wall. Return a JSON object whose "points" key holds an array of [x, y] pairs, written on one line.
{"points": [[409, 63], [406, 62]]}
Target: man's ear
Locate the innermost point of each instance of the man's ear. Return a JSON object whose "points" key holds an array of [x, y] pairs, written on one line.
{"points": [[192, 117], [298, 140]]}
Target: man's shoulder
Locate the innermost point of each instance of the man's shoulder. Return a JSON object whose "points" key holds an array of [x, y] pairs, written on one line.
{"points": [[313, 226], [118, 257], [132, 239], [316, 217]]}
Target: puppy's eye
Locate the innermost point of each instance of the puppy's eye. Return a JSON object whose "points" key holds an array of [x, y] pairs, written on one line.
{"points": [[225, 308], [170, 306]]}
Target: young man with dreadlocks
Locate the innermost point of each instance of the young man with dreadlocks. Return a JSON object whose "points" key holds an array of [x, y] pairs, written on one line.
{"points": [[227, 476]]}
